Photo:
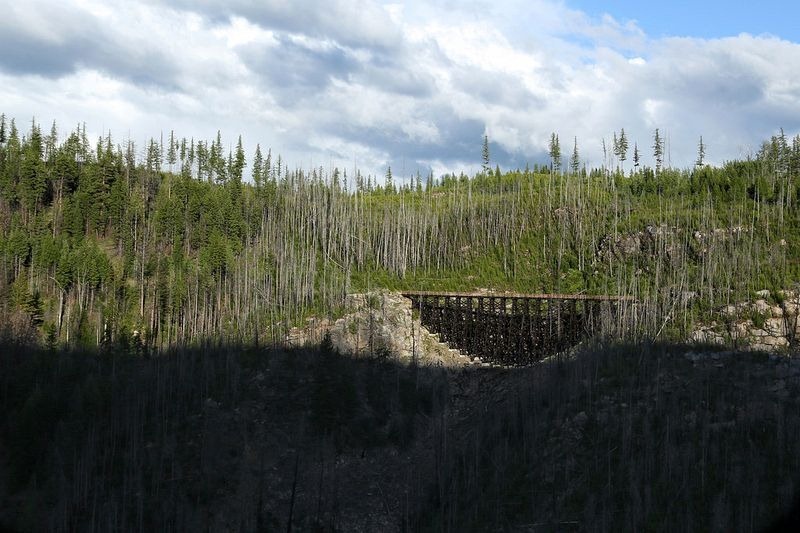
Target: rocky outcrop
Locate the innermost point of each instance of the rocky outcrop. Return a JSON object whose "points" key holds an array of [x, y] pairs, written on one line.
{"points": [[669, 242], [379, 323], [767, 324]]}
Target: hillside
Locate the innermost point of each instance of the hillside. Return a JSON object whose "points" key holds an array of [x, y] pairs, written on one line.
{"points": [[650, 437], [175, 244]]}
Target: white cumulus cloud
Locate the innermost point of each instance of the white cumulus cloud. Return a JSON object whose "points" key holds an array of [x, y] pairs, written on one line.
{"points": [[414, 85]]}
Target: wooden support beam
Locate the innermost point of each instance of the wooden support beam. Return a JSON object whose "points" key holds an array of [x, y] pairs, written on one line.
{"points": [[510, 328]]}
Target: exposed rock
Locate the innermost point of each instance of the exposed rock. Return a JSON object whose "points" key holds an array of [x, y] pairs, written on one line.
{"points": [[706, 335], [379, 323], [761, 306], [757, 325], [776, 327], [730, 310]]}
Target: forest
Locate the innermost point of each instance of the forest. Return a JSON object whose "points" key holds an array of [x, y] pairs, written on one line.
{"points": [[177, 243], [146, 293]]}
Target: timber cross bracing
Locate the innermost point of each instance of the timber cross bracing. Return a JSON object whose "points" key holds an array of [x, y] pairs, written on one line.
{"points": [[510, 328]]}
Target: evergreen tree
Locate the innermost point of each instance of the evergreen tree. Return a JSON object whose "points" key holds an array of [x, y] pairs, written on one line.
{"points": [[172, 157], [701, 153], [575, 160], [183, 152], [794, 162], [153, 157], [51, 143], [636, 158], [485, 155], [389, 182], [555, 153], [258, 163], [239, 162], [203, 163], [32, 178], [623, 148], [658, 150], [11, 165], [217, 161], [783, 154], [359, 182]]}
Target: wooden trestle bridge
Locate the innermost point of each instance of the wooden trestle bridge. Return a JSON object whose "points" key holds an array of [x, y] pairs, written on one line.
{"points": [[513, 329]]}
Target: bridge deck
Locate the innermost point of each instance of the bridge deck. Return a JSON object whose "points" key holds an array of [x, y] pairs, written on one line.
{"points": [[580, 297]]}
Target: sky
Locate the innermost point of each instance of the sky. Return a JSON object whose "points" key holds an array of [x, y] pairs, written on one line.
{"points": [[706, 18], [414, 85]]}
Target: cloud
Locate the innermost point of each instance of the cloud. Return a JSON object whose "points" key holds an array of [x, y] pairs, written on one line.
{"points": [[351, 23], [412, 84], [297, 68], [54, 39]]}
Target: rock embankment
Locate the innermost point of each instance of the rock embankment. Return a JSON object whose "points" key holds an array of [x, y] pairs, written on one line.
{"points": [[379, 323], [765, 324]]}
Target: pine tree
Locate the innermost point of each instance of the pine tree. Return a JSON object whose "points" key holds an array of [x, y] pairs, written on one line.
{"points": [[701, 153], [51, 143], [359, 182], [239, 162], [636, 158], [794, 161], [389, 183], [623, 148], [217, 162], [575, 160], [230, 168], [783, 154], [203, 163], [172, 157], [258, 163], [153, 157], [658, 150], [485, 155], [190, 158], [555, 153], [32, 178]]}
